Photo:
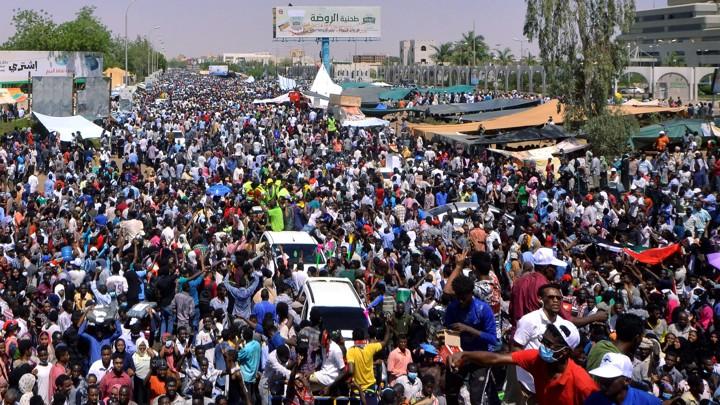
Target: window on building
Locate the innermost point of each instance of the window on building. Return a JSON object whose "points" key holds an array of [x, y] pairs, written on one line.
{"points": [[685, 27], [423, 48], [676, 16], [656, 17], [650, 30], [423, 60], [713, 52], [711, 39]]}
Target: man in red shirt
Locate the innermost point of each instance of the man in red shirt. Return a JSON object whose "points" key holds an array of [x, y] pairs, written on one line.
{"points": [[116, 377], [558, 380]]}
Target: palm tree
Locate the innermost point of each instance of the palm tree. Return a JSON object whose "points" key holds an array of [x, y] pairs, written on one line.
{"points": [[443, 53], [530, 60], [470, 49], [505, 57]]}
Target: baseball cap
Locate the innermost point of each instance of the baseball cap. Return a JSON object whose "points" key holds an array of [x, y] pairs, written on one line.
{"points": [[568, 331], [613, 365], [546, 257]]}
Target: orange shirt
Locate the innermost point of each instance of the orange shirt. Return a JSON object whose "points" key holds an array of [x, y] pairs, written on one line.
{"points": [[572, 387], [157, 387]]}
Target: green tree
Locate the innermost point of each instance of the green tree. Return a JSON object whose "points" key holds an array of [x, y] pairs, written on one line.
{"points": [[85, 33], [673, 59], [471, 48], [505, 56], [34, 31], [579, 49], [609, 133], [443, 53]]}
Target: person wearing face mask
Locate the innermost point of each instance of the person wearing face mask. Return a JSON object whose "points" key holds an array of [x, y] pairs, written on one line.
{"points": [[412, 385], [558, 379], [613, 375]]}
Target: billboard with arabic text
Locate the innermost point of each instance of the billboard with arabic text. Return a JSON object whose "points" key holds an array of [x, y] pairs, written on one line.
{"points": [[16, 65], [320, 21]]}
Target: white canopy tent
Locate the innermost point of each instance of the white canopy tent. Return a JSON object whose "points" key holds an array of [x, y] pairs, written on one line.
{"points": [[286, 83], [66, 126], [250, 80], [366, 122], [324, 86], [283, 98]]}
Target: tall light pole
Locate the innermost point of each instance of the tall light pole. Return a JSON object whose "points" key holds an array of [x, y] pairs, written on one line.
{"points": [[150, 69], [126, 41], [521, 40]]}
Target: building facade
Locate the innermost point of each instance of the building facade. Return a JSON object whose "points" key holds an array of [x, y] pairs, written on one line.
{"points": [[355, 72], [416, 52], [684, 33], [235, 58]]}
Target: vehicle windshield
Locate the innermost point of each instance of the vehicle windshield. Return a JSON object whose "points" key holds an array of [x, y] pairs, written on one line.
{"points": [[341, 318], [299, 254]]}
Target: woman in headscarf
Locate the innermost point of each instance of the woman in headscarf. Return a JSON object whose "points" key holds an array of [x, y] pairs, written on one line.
{"points": [[141, 358], [26, 385], [128, 366]]}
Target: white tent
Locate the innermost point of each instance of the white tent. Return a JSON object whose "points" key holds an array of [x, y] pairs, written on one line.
{"points": [[250, 80], [286, 83], [283, 98], [324, 86], [381, 84], [66, 126], [366, 122]]}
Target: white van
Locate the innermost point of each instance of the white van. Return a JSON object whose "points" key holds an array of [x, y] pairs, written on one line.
{"points": [[337, 303], [299, 247]]}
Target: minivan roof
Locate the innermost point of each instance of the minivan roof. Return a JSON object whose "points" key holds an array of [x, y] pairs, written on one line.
{"points": [[291, 237], [332, 292]]}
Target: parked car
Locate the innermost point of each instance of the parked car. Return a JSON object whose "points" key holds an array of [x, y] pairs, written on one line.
{"points": [[301, 249], [458, 210], [336, 302], [632, 90]]}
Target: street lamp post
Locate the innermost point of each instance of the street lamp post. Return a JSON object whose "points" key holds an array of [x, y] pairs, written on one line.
{"points": [[521, 40], [126, 40]]}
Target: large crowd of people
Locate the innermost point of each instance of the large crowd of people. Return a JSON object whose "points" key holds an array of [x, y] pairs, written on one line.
{"points": [[132, 270]]}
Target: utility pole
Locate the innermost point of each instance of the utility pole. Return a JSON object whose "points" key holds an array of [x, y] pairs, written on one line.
{"points": [[126, 42]]}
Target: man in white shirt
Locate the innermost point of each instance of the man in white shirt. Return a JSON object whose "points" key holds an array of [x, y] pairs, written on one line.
{"points": [[101, 367], [275, 374], [331, 368], [532, 326]]}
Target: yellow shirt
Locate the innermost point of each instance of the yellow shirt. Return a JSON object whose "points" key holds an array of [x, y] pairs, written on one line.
{"points": [[362, 358]]}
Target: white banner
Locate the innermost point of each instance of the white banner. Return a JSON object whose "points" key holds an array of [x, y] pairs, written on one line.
{"points": [[15, 65], [320, 22], [218, 70]]}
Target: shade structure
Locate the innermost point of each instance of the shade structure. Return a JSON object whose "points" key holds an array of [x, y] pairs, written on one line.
{"points": [[66, 126]]}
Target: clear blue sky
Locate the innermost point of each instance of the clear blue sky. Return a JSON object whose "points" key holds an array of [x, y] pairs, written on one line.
{"points": [[210, 27]]}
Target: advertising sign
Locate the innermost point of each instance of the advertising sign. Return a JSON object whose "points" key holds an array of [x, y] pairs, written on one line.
{"points": [[218, 70], [321, 22], [15, 65]]}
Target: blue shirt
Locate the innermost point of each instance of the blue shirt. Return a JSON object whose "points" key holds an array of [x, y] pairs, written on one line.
{"points": [[249, 359], [261, 309], [275, 341], [634, 396], [477, 315]]}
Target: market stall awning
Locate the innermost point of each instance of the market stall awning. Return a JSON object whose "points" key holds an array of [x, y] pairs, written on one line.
{"points": [[484, 116], [366, 122], [66, 126], [643, 109], [429, 130], [368, 95], [283, 98], [541, 155], [674, 129], [546, 133], [469, 108], [532, 117]]}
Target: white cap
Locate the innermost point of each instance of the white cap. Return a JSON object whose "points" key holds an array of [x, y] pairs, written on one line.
{"points": [[546, 257], [613, 365], [569, 332]]}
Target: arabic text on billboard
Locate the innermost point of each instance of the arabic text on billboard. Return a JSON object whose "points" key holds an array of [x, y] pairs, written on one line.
{"points": [[15, 65], [319, 22], [218, 70]]}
